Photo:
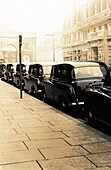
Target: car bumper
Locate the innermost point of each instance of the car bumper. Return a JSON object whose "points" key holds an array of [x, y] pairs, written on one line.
{"points": [[76, 103]]}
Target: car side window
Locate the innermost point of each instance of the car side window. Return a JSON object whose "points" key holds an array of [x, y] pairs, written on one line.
{"points": [[103, 70], [57, 72], [52, 72], [35, 71], [30, 67], [31, 71], [64, 75]]}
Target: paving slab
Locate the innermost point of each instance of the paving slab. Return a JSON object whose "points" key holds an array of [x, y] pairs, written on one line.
{"points": [[13, 138], [49, 135], [61, 152], [8, 126], [79, 132], [19, 156], [7, 131], [69, 126], [5, 117], [4, 122], [67, 163], [101, 168], [26, 130], [50, 143], [22, 166], [24, 115], [85, 139], [31, 123], [98, 147], [101, 159], [6, 147]]}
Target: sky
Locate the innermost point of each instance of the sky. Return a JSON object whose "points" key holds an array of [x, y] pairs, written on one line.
{"points": [[40, 16]]}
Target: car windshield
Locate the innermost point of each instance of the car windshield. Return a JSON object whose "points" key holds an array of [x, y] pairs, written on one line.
{"points": [[87, 72]]}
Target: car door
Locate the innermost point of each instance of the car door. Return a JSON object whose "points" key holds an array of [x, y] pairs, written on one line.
{"points": [[54, 82], [48, 84], [63, 85], [101, 106]]}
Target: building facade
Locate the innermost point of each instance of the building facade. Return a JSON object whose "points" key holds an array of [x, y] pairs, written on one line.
{"points": [[87, 31], [9, 47]]}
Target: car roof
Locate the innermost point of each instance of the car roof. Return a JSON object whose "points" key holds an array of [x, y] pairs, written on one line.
{"points": [[79, 64]]}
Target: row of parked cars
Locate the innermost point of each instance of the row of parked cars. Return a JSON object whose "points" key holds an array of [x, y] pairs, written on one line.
{"points": [[68, 84]]}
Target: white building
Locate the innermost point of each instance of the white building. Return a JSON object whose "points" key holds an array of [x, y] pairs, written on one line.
{"points": [[87, 31]]}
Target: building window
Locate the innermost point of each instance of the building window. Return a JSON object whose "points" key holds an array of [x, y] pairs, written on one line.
{"points": [[79, 57], [99, 27], [75, 52], [88, 30], [94, 29], [105, 26]]}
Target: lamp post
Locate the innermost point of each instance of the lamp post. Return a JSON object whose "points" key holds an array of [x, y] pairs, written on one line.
{"points": [[53, 45], [20, 44]]}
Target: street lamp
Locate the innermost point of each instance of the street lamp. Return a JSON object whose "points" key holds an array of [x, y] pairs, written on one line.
{"points": [[53, 45]]}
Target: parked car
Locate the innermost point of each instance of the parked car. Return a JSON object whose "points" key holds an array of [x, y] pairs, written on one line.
{"points": [[16, 75], [32, 81], [106, 72], [2, 68], [8, 72], [68, 81], [98, 104]]}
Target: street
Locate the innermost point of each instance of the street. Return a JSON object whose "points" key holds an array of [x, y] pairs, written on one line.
{"points": [[35, 135]]}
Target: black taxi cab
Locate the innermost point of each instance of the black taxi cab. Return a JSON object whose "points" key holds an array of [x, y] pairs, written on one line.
{"points": [[98, 105], [16, 75], [32, 81], [2, 68], [68, 80], [8, 72], [106, 71]]}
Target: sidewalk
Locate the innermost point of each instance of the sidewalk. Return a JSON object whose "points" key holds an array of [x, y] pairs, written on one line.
{"points": [[34, 135]]}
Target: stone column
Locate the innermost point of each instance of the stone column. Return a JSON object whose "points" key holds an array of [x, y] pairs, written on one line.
{"points": [[105, 44], [100, 51], [109, 27]]}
